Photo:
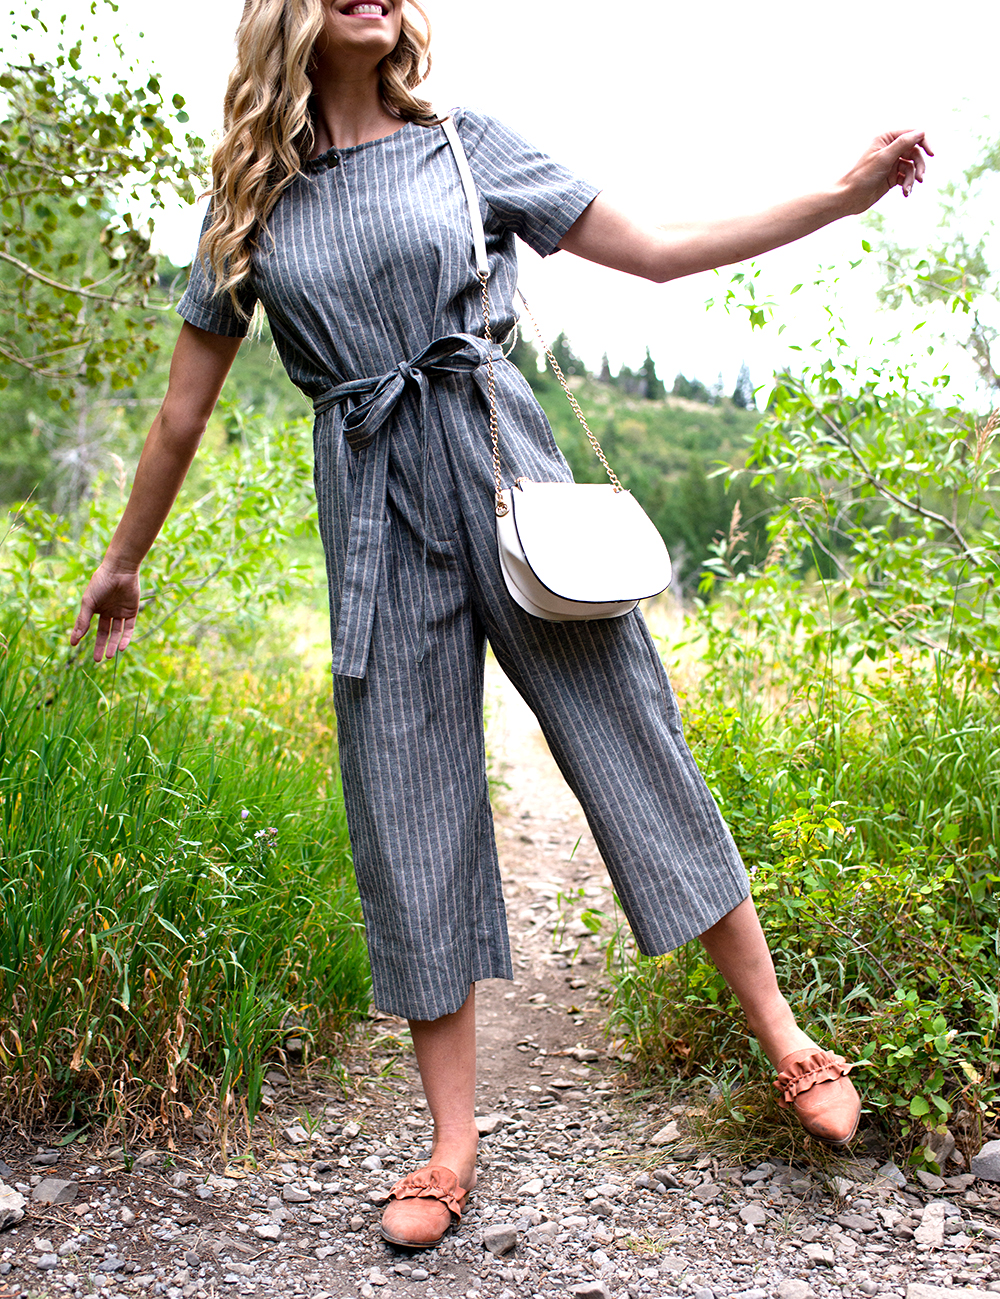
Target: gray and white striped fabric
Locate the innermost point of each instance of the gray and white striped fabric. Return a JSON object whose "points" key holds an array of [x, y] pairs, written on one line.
{"points": [[367, 276]]}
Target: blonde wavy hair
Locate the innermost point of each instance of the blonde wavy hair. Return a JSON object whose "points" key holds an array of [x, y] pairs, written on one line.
{"points": [[268, 129]]}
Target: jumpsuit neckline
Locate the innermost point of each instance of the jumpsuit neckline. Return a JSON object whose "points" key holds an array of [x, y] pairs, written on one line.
{"points": [[332, 156]]}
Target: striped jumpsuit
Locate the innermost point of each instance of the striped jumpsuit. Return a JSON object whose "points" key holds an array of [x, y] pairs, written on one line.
{"points": [[367, 276]]}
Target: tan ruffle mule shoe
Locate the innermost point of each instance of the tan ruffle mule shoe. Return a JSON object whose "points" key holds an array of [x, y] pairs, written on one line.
{"points": [[815, 1084], [421, 1208]]}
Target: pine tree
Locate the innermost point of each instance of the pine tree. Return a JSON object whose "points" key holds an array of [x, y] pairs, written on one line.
{"points": [[743, 392], [569, 362], [605, 375], [630, 382], [690, 389], [655, 390]]}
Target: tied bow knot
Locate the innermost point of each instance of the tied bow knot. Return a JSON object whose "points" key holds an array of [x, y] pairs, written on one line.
{"points": [[377, 399]]}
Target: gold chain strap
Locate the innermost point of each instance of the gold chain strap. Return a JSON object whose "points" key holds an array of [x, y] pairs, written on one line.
{"points": [[499, 502], [598, 451]]}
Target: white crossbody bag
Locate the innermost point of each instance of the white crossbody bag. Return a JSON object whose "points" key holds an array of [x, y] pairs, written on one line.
{"points": [[570, 552]]}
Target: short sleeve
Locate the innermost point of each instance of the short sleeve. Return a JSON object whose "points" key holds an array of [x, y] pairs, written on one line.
{"points": [[528, 193], [202, 307]]}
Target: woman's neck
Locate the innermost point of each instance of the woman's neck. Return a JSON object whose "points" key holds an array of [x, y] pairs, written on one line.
{"points": [[349, 111]]}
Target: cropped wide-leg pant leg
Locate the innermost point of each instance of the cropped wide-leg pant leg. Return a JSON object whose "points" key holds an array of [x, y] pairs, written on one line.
{"points": [[413, 761]]}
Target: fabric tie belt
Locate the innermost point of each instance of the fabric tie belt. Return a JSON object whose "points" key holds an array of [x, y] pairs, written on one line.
{"points": [[452, 354]]}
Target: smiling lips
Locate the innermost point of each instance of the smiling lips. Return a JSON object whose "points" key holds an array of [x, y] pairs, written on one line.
{"points": [[365, 11]]}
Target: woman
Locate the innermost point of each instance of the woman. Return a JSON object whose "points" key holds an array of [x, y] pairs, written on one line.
{"points": [[337, 204]]}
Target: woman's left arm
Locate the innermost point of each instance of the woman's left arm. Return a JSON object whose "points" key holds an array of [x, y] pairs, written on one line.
{"points": [[606, 234]]}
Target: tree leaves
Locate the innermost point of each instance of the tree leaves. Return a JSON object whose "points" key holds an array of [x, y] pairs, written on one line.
{"points": [[80, 157]]}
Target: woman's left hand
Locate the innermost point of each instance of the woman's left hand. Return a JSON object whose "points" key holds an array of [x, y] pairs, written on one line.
{"points": [[893, 158]]}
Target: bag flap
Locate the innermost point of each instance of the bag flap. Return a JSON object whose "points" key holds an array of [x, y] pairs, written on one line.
{"points": [[587, 542]]}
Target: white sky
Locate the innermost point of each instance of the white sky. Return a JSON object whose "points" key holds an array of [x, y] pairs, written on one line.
{"points": [[683, 111]]}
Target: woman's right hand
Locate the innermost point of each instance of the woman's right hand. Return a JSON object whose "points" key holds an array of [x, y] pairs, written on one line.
{"points": [[114, 597]]}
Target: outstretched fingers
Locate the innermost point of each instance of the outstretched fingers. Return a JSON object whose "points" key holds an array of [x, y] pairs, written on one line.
{"points": [[907, 153]]}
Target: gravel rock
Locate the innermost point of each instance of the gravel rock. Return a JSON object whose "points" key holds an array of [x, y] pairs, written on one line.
{"points": [[702, 1292], [47, 1262], [500, 1239], [707, 1192], [930, 1180], [487, 1124], [55, 1191], [793, 1288], [268, 1231], [856, 1222], [296, 1195], [11, 1206], [532, 1188], [941, 1145], [987, 1163], [666, 1135], [931, 1229], [916, 1290], [126, 1217], [753, 1214], [591, 1290], [111, 1265], [818, 1255], [893, 1174]]}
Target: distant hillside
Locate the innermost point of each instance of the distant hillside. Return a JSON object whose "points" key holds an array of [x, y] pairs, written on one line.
{"points": [[666, 451]]}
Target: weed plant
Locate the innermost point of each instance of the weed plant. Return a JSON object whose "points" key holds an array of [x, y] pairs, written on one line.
{"points": [[175, 888]]}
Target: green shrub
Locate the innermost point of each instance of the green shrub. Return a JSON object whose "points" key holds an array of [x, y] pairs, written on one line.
{"points": [[847, 720]]}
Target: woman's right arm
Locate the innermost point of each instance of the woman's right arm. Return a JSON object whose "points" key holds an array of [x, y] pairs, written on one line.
{"points": [[198, 370]]}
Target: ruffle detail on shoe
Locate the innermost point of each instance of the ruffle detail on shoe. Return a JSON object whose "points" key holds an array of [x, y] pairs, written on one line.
{"points": [[437, 1183], [813, 1068]]}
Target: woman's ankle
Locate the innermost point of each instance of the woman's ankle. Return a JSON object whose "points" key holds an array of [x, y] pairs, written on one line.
{"points": [[456, 1149]]}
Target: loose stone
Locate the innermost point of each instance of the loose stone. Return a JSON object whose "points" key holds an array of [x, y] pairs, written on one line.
{"points": [[47, 1262], [11, 1206], [500, 1239], [55, 1191], [987, 1163], [794, 1288], [931, 1229], [591, 1290], [917, 1290], [754, 1214]]}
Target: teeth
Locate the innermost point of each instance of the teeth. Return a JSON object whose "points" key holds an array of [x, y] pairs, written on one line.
{"points": [[366, 9]]}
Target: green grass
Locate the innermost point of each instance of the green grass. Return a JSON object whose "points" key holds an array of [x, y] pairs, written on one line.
{"points": [[175, 886]]}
